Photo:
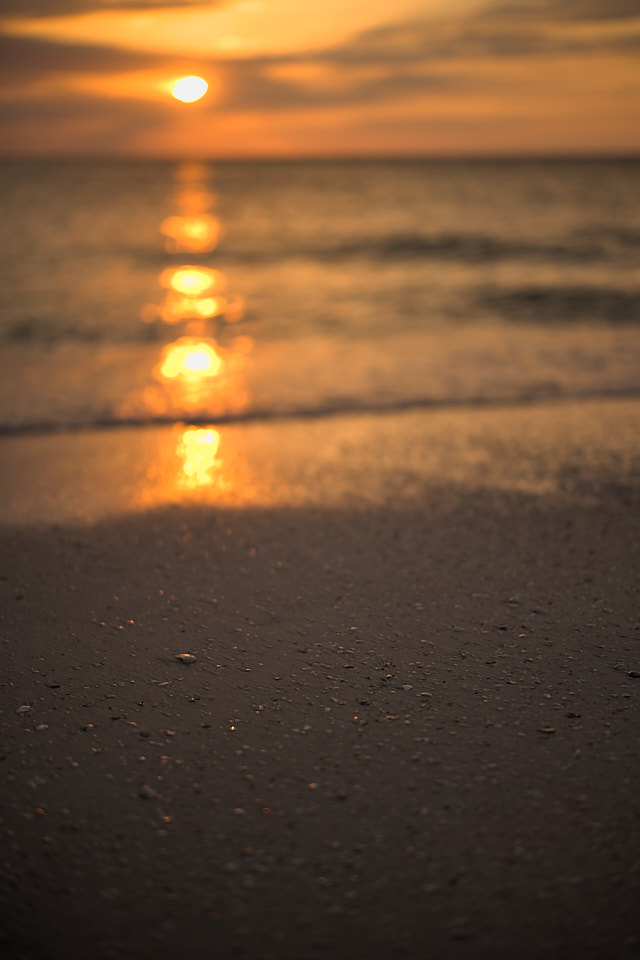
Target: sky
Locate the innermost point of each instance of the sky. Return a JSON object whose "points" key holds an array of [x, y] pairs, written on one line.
{"points": [[320, 77]]}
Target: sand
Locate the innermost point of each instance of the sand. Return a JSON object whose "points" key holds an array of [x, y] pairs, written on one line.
{"points": [[409, 728]]}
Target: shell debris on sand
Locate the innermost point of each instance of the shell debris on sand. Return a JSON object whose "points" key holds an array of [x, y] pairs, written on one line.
{"points": [[147, 792]]}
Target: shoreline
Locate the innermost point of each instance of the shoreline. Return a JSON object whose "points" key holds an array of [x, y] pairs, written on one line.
{"points": [[70, 386], [403, 732], [324, 412]]}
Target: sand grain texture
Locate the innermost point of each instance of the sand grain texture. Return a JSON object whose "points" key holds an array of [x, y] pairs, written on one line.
{"points": [[403, 733]]}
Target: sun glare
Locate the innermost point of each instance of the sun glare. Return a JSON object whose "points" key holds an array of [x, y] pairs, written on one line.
{"points": [[190, 89], [198, 449], [191, 360], [190, 234], [193, 281]]}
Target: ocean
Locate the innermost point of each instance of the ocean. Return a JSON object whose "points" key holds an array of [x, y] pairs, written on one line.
{"points": [[160, 292]]}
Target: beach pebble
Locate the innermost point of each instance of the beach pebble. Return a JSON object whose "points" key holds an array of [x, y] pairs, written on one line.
{"points": [[24, 708], [147, 792], [634, 673], [540, 610], [407, 686], [622, 667], [186, 658]]}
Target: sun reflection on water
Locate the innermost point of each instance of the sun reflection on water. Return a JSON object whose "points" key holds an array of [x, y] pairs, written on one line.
{"points": [[193, 280], [189, 358], [197, 450], [191, 234], [200, 375], [194, 291], [188, 468], [175, 308]]}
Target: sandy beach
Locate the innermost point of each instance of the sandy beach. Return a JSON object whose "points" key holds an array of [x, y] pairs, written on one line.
{"points": [[406, 724], [320, 483]]}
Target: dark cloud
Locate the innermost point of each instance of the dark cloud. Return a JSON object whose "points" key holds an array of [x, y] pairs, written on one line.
{"points": [[601, 9], [247, 85], [498, 30], [567, 10], [423, 41], [59, 8], [77, 124], [251, 84], [398, 61], [25, 57], [45, 110]]}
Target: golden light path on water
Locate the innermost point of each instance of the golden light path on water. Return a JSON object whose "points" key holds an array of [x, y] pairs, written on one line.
{"points": [[191, 234], [176, 308], [195, 376], [191, 359], [193, 280], [197, 451]]}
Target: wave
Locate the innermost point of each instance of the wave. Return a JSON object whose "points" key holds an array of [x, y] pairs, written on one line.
{"points": [[43, 332], [46, 332], [363, 407], [475, 247], [467, 247], [536, 304], [549, 305], [607, 236], [580, 246]]}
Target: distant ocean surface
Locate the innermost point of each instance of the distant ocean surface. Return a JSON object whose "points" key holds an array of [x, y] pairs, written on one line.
{"points": [[140, 291]]}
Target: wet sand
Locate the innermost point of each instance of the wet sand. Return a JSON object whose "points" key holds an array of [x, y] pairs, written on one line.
{"points": [[409, 729]]}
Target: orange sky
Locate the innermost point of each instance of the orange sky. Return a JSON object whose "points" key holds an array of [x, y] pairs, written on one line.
{"points": [[323, 77]]}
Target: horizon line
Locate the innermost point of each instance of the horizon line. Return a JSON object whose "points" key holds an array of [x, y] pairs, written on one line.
{"points": [[462, 157]]}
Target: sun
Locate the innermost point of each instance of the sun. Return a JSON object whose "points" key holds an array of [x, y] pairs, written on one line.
{"points": [[190, 89]]}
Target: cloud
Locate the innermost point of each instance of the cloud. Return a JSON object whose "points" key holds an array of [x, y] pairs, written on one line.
{"points": [[421, 41], [568, 10], [498, 30], [407, 53], [529, 29], [78, 123], [260, 86], [26, 57], [406, 63], [60, 8]]}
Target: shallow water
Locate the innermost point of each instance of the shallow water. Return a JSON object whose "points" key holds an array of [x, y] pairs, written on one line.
{"points": [[331, 285]]}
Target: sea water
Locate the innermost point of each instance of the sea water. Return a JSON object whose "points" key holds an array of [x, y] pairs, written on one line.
{"points": [[203, 292]]}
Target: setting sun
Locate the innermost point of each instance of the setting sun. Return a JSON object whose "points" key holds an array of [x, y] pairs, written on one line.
{"points": [[190, 89]]}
